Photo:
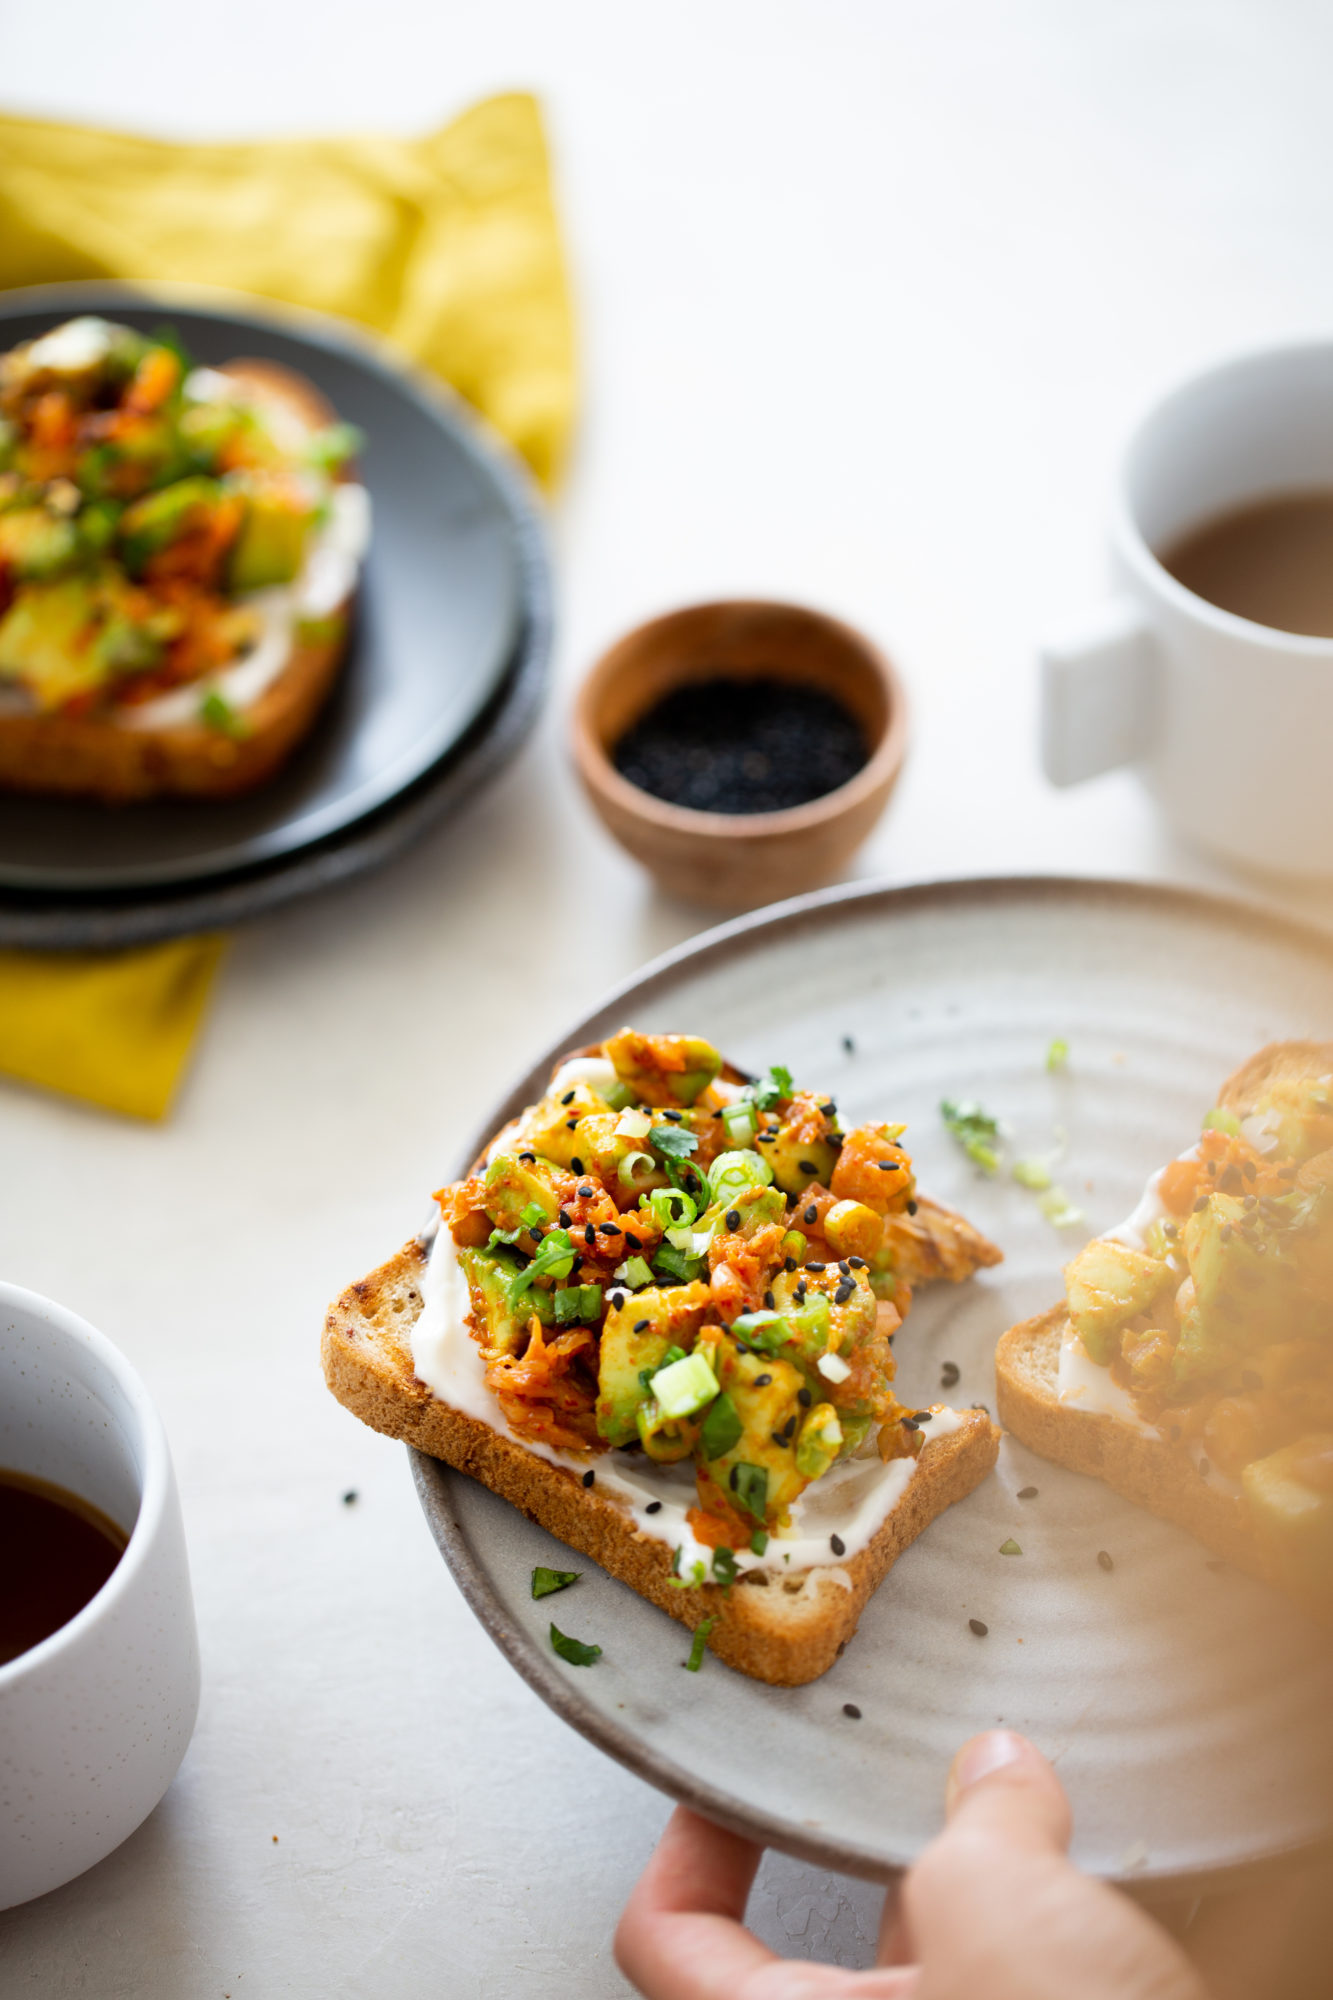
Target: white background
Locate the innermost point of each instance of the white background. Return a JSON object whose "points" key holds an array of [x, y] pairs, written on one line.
{"points": [[869, 294]]}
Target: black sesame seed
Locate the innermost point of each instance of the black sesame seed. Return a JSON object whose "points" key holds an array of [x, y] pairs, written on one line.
{"points": [[1027, 1493], [789, 1264], [762, 1381], [576, 1167], [815, 1267], [616, 1300], [571, 1124], [588, 1478], [788, 1428], [949, 1374], [642, 1325], [844, 1266], [568, 1097], [910, 1424], [1200, 1204], [850, 1708], [610, 1228], [585, 1193], [799, 1293], [975, 1625], [804, 1398], [887, 1166], [590, 1236], [349, 1497], [911, 1208], [837, 1544], [770, 1303], [830, 1110], [1104, 1560], [857, 1264], [844, 1291], [811, 1214], [653, 1507], [674, 1116], [633, 1242], [564, 1218], [848, 1046], [778, 1439], [733, 1218], [732, 1481], [807, 1166]]}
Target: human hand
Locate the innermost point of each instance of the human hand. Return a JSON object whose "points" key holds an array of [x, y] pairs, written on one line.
{"points": [[994, 1907]]}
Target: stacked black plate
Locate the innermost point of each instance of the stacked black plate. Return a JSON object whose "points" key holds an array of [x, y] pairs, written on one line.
{"points": [[444, 677]]}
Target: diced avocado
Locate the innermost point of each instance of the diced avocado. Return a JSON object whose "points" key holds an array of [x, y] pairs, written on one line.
{"points": [[36, 545], [551, 1128], [271, 545], [674, 1315], [1106, 1285], [1298, 1112], [663, 1069], [151, 524], [46, 641], [1244, 1290], [797, 1162], [503, 1317], [513, 1185], [764, 1390], [824, 1323], [754, 1208], [820, 1441], [1290, 1494]]}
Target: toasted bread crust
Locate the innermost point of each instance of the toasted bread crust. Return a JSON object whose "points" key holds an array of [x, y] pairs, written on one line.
{"points": [[786, 1632], [1146, 1468], [97, 757]]}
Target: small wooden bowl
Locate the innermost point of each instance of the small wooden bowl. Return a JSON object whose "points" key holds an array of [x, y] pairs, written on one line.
{"points": [[733, 861]]}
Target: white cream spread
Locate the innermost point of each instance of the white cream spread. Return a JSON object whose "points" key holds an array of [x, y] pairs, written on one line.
{"points": [[852, 1500], [326, 581]]}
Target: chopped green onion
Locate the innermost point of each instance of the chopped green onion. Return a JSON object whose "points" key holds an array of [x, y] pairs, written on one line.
{"points": [[671, 1206], [700, 1643], [758, 1541], [766, 1330], [690, 1582], [724, 1566], [1221, 1121], [750, 1485], [619, 1096], [506, 1236], [684, 1386], [722, 1428], [546, 1581], [217, 713], [732, 1173], [738, 1123], [636, 1273], [1034, 1174], [1059, 1210], [635, 1171], [975, 1130], [555, 1259], [1010, 1548], [1057, 1055], [574, 1650], [672, 1263], [534, 1215]]}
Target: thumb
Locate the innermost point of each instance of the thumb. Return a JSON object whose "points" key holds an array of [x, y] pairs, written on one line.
{"points": [[1001, 1788]]}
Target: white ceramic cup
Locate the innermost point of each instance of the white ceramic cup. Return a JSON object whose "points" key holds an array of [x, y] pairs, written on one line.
{"points": [[1230, 723], [94, 1721]]}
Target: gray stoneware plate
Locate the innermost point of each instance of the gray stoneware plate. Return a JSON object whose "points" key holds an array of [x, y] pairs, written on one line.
{"points": [[456, 569], [1185, 1707]]}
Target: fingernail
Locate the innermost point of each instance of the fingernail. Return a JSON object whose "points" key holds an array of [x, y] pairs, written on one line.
{"points": [[978, 1758]]}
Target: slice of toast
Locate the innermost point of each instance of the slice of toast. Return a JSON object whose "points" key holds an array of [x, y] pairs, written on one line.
{"points": [[97, 757], [1143, 1466], [784, 1630]]}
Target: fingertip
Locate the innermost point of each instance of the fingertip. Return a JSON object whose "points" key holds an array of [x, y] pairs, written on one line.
{"points": [[1010, 1775]]}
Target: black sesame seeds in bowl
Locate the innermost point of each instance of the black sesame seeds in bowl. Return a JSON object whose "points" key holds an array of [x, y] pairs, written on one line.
{"points": [[741, 751]]}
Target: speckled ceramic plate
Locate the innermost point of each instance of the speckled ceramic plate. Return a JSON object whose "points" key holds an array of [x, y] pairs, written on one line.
{"points": [[1186, 1707]]}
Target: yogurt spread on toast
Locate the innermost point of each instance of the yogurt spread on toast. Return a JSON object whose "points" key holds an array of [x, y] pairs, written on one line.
{"points": [[683, 1287]]}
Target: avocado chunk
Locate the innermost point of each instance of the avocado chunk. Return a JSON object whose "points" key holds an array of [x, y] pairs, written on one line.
{"points": [[1106, 1285], [674, 1315], [35, 544], [157, 520], [513, 1186], [271, 546], [663, 1069], [797, 1162], [502, 1319], [820, 1441], [1290, 1495], [46, 641], [764, 1392], [1244, 1286], [1298, 1111]]}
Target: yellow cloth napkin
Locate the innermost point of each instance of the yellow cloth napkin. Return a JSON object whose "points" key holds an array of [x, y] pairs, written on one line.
{"points": [[446, 244]]}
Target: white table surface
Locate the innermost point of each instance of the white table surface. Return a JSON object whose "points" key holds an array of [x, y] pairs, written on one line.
{"points": [[869, 293]]}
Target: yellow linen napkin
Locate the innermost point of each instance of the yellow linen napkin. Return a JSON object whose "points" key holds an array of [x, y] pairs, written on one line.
{"points": [[448, 245]]}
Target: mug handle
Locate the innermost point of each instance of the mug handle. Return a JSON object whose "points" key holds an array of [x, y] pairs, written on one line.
{"points": [[1096, 694]]}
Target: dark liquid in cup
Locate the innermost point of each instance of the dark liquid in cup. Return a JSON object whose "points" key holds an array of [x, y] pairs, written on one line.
{"points": [[1270, 561], [56, 1552]]}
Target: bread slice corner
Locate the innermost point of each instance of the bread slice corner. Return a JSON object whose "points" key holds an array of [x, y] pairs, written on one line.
{"points": [[785, 1631]]}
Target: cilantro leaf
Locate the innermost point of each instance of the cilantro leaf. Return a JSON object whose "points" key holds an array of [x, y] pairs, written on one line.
{"points": [[546, 1581], [974, 1129], [672, 1141], [574, 1650]]}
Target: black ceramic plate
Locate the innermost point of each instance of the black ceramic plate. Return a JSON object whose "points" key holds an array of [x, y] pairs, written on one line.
{"points": [[455, 571]]}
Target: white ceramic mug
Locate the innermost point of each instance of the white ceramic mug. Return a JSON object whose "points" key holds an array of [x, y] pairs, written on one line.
{"points": [[95, 1719], [1231, 723]]}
